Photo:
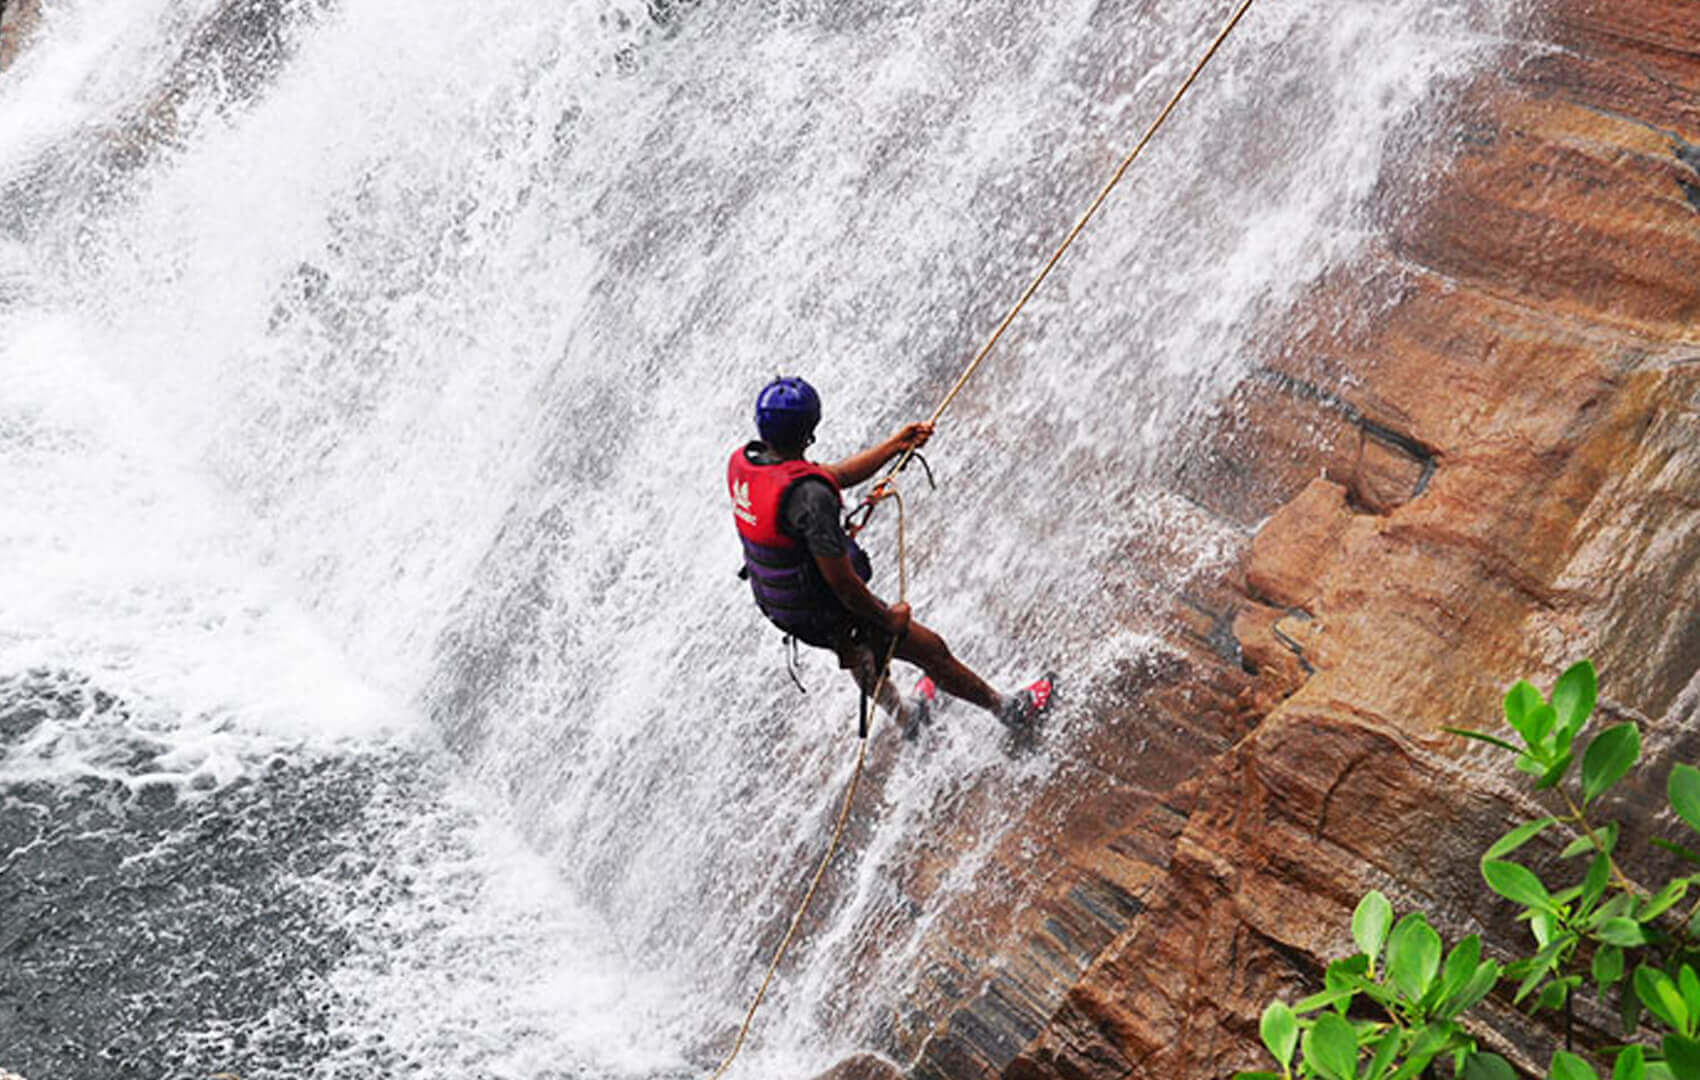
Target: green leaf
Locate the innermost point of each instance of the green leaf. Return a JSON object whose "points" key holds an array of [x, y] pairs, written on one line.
{"points": [[1629, 1011], [1683, 787], [1370, 923], [1413, 955], [1690, 988], [1280, 1031], [1682, 1054], [1658, 1070], [1631, 1064], [1535, 973], [1677, 850], [1517, 837], [1486, 977], [1610, 755], [1608, 966], [1461, 964], [1483, 737], [1594, 884], [1516, 883], [1555, 772], [1521, 701], [1386, 1048], [1573, 696], [1331, 1048], [1663, 900], [1567, 1066], [1351, 965], [1626, 933], [1553, 996], [1431, 1042], [1662, 998], [1540, 965], [1488, 1067], [1348, 975], [1326, 999], [1585, 843]]}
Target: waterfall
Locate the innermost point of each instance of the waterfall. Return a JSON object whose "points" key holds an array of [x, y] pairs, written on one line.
{"points": [[367, 375]]}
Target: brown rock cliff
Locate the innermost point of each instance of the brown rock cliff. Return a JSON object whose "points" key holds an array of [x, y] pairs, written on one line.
{"points": [[1507, 477]]}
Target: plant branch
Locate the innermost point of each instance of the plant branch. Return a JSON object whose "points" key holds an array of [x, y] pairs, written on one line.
{"points": [[1581, 820]]}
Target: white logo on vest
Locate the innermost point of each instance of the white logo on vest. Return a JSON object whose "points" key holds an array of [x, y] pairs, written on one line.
{"points": [[741, 502]]}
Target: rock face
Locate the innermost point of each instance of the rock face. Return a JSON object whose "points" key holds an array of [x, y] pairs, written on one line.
{"points": [[1508, 479], [17, 19]]}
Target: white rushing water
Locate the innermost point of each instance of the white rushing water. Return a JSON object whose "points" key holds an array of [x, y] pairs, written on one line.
{"points": [[368, 368]]}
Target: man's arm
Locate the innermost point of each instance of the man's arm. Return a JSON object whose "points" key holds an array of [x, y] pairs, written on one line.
{"points": [[853, 592], [859, 467]]}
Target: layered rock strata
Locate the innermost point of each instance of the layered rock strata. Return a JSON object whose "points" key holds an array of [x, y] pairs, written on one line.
{"points": [[1494, 471]]}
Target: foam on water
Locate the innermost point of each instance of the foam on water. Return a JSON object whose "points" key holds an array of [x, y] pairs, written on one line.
{"points": [[384, 391], [121, 563]]}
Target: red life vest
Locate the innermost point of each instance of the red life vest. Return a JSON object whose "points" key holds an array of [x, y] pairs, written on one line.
{"points": [[758, 492], [787, 584]]}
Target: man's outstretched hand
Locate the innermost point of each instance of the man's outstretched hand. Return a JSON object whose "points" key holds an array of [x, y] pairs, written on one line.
{"points": [[859, 467], [912, 437]]}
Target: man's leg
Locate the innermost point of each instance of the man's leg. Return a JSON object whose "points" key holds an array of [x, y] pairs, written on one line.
{"points": [[860, 662], [926, 650]]}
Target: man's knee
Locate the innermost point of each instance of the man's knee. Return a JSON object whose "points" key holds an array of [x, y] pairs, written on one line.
{"points": [[925, 643]]}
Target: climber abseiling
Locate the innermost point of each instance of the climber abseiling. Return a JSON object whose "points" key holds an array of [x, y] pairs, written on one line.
{"points": [[810, 577]]}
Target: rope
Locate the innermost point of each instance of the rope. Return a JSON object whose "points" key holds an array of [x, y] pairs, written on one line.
{"points": [[879, 489], [887, 488], [843, 811]]}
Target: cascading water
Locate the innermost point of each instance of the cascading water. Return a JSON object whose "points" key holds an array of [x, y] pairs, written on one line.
{"points": [[367, 371]]}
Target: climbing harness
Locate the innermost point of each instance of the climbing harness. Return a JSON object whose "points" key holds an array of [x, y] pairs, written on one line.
{"points": [[886, 488], [789, 644], [857, 520]]}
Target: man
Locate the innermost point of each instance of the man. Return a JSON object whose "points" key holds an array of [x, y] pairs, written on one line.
{"points": [[810, 578]]}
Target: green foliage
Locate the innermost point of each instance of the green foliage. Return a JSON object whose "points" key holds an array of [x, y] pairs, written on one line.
{"points": [[1609, 757], [1280, 1031], [1567, 1066], [1413, 955], [1684, 792], [1422, 989], [1517, 884], [1331, 1047], [1370, 923], [1398, 1014]]}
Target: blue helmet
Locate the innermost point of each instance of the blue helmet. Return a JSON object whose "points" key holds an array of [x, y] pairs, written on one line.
{"points": [[787, 410]]}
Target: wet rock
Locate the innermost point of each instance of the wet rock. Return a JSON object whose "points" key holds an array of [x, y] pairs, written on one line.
{"points": [[1493, 476], [1507, 483], [17, 20], [860, 1067], [1303, 535]]}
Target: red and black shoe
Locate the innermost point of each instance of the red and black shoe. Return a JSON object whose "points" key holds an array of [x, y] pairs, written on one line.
{"points": [[918, 710], [1025, 707]]}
